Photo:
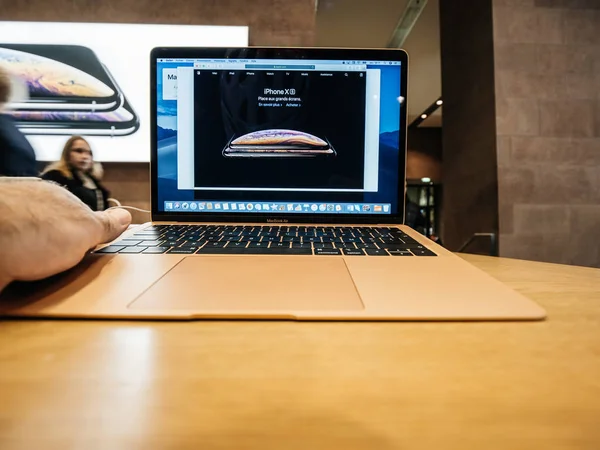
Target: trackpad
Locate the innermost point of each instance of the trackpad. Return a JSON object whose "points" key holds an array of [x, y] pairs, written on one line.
{"points": [[243, 284]]}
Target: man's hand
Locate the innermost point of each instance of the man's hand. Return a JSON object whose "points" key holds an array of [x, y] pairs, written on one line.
{"points": [[45, 230]]}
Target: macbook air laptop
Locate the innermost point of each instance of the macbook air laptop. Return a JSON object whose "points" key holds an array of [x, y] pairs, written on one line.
{"points": [[278, 185]]}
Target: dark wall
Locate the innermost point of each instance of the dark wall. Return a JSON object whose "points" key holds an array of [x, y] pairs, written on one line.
{"points": [[424, 155], [271, 22], [547, 56], [469, 130]]}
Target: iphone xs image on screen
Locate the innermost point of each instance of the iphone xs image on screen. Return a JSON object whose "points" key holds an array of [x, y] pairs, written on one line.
{"points": [[120, 122], [65, 77], [277, 143]]}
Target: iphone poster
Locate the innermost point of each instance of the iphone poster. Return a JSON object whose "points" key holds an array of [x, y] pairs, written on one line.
{"points": [[93, 79]]}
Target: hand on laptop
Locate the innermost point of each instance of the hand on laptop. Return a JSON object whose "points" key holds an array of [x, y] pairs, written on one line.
{"points": [[45, 230]]}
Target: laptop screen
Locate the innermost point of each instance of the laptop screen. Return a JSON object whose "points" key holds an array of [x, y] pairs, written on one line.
{"points": [[275, 136]]}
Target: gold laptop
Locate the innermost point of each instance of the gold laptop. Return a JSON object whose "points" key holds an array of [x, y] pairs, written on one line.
{"points": [[277, 179]]}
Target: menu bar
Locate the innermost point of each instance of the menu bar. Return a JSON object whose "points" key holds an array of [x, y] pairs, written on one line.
{"points": [[279, 61], [277, 207]]}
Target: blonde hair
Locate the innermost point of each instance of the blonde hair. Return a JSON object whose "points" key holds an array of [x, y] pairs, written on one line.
{"points": [[63, 165], [5, 86]]}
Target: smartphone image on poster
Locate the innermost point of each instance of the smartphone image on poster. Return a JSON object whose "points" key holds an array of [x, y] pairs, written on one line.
{"points": [[120, 122], [61, 77], [276, 143]]}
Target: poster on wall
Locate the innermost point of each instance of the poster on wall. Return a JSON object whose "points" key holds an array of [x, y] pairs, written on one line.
{"points": [[93, 79]]}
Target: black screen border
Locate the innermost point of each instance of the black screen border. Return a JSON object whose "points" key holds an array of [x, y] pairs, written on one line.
{"points": [[278, 53]]}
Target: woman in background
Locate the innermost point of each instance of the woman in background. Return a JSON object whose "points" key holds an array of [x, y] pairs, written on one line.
{"points": [[77, 172]]}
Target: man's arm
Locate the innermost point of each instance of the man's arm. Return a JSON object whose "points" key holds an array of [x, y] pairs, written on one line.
{"points": [[45, 230]]}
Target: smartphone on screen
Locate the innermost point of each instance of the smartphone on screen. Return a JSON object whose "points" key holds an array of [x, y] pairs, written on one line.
{"points": [[61, 77], [278, 143], [120, 122]]}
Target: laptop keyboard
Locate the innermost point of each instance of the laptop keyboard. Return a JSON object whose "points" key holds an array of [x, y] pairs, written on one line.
{"points": [[269, 240]]}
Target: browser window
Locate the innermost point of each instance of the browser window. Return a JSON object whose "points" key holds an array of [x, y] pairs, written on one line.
{"points": [[278, 126]]}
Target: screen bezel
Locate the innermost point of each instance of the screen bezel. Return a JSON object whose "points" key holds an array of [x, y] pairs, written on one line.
{"points": [[279, 53]]}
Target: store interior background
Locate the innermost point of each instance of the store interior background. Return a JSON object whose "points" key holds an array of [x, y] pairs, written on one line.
{"points": [[515, 148]]}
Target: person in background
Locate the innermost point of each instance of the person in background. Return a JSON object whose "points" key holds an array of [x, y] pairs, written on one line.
{"points": [[17, 157], [77, 172]]}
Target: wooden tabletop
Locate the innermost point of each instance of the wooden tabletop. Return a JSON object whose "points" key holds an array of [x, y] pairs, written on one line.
{"points": [[285, 385]]}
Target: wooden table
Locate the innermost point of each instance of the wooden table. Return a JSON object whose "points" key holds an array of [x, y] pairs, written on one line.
{"points": [[285, 385]]}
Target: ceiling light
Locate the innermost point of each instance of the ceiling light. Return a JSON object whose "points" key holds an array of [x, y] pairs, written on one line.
{"points": [[423, 116], [426, 180], [439, 102]]}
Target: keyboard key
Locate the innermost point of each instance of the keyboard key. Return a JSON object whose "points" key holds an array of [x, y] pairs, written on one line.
{"points": [[189, 244], [149, 235], [376, 252], [391, 240], [183, 250], [355, 252], [414, 245], [394, 246], [371, 239], [327, 251], [322, 245], [407, 239], [156, 250], [400, 253], [255, 251], [425, 252], [133, 249], [237, 245], [365, 245], [268, 234], [193, 238], [151, 243], [216, 244], [300, 245], [110, 249], [311, 239], [258, 245], [128, 243]]}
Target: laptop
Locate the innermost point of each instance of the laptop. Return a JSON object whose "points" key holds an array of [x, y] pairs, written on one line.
{"points": [[278, 186]]}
